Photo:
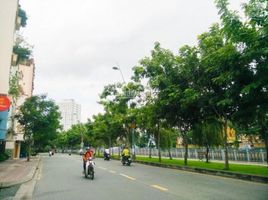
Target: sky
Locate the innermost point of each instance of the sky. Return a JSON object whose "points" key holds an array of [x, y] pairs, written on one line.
{"points": [[78, 42]]}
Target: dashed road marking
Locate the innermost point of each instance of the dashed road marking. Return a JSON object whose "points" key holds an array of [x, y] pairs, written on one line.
{"points": [[113, 172], [129, 177], [102, 168], [159, 187]]}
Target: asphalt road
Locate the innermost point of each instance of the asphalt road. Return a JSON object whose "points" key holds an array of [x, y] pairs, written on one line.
{"points": [[61, 177]]}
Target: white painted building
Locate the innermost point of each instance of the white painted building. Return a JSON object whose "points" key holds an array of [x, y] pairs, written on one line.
{"points": [[70, 113], [8, 16], [9, 23]]}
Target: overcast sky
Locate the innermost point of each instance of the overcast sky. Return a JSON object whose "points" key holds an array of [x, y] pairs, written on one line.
{"points": [[77, 42]]}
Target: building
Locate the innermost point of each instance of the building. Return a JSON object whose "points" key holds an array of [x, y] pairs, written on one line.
{"points": [[26, 72], [8, 23], [16, 74], [70, 113]]}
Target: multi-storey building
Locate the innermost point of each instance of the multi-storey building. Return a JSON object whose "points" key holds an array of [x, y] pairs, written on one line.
{"points": [[16, 74], [26, 72], [70, 113], [8, 23]]}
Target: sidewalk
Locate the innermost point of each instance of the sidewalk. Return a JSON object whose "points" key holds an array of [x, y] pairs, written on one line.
{"points": [[17, 171]]}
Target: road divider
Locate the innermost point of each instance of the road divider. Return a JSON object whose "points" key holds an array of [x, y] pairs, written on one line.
{"points": [[159, 188], [129, 177]]}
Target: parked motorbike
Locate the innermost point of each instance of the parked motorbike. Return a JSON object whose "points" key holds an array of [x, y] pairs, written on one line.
{"points": [[106, 156], [126, 160], [89, 171]]}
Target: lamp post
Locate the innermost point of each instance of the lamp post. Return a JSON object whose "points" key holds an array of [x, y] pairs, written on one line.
{"points": [[118, 68], [132, 124]]}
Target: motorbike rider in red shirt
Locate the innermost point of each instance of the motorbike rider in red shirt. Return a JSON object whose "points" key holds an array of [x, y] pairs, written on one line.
{"points": [[89, 153]]}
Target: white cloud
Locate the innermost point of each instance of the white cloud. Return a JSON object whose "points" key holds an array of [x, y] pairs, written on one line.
{"points": [[77, 42]]}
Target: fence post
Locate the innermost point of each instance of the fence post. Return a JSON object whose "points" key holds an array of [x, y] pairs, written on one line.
{"points": [[248, 158], [222, 154], [235, 155], [212, 154], [196, 156], [262, 155]]}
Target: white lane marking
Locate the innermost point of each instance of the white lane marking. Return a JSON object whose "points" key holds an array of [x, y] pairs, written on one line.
{"points": [[129, 177], [113, 172], [102, 168], [159, 187]]}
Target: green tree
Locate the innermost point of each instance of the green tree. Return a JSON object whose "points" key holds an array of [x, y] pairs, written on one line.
{"points": [[250, 35], [207, 133], [39, 118], [171, 78]]}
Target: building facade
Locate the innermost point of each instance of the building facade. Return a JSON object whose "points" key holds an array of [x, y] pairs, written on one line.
{"points": [[8, 24], [70, 113], [26, 74], [16, 74]]}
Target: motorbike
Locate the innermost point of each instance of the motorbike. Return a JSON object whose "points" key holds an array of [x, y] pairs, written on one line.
{"points": [[106, 156], [89, 171], [126, 160]]}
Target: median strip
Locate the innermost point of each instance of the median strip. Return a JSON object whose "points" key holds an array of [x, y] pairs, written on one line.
{"points": [[159, 187], [129, 177]]}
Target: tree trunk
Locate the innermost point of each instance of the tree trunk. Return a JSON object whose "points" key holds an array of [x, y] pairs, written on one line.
{"points": [[169, 154], [265, 137], [169, 146], [28, 152], [207, 151], [186, 149], [226, 167], [158, 145], [150, 151]]}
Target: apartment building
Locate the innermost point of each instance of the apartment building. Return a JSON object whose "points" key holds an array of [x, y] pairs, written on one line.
{"points": [[26, 71], [16, 74], [8, 24], [70, 113]]}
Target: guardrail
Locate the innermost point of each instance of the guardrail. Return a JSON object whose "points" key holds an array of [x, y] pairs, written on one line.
{"points": [[253, 155]]}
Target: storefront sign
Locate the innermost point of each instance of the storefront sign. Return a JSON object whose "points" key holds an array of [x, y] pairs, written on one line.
{"points": [[4, 103]]}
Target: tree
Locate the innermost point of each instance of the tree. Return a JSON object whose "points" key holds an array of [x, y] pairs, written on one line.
{"points": [[207, 133], [39, 118], [250, 36], [171, 78]]}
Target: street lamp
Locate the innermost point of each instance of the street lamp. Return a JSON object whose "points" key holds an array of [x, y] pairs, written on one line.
{"points": [[132, 124], [118, 68]]}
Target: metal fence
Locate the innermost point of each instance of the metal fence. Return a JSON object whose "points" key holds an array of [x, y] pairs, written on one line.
{"points": [[256, 155]]}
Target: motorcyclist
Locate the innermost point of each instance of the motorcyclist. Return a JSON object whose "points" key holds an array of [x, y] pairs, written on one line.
{"points": [[81, 152], [125, 153], [89, 153], [106, 154]]}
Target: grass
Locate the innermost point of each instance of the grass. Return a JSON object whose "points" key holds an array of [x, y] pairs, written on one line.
{"points": [[240, 168]]}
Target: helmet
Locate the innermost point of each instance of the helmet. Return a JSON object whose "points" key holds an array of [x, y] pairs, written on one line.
{"points": [[87, 148]]}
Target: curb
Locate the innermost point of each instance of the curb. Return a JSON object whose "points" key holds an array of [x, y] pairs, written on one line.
{"points": [[27, 178], [246, 177]]}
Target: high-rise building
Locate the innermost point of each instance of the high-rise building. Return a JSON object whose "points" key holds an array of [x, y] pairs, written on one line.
{"points": [[70, 113]]}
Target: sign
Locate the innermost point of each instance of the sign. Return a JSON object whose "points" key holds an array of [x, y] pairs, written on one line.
{"points": [[4, 103]]}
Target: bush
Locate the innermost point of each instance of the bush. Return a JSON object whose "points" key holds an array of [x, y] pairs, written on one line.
{"points": [[3, 157]]}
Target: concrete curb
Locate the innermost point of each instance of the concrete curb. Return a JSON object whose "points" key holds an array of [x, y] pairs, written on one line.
{"points": [[27, 178], [247, 177]]}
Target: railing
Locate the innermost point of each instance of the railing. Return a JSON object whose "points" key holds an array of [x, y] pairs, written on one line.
{"points": [[256, 155]]}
